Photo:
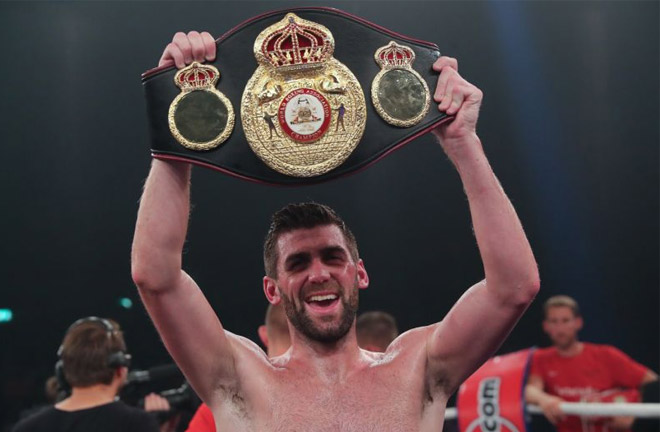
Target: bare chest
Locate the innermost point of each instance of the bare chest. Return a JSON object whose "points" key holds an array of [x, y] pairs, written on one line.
{"points": [[362, 404], [374, 400], [383, 393]]}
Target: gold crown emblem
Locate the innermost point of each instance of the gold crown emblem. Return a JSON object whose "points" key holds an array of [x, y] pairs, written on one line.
{"points": [[197, 76], [294, 43], [394, 55]]}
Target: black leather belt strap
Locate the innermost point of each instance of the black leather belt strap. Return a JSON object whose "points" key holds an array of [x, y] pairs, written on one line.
{"points": [[356, 41]]}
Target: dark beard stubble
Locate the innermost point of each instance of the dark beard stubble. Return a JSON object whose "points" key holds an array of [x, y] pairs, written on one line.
{"points": [[305, 325]]}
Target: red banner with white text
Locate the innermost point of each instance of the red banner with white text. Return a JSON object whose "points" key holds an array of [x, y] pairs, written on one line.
{"points": [[492, 398]]}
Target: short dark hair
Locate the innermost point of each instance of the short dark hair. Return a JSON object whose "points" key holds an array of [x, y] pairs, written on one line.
{"points": [[376, 328], [561, 301], [302, 216], [85, 352]]}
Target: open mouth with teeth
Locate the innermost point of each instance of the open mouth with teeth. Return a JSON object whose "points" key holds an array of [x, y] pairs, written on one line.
{"points": [[322, 302]]}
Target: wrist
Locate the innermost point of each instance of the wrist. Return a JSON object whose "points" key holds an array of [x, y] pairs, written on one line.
{"points": [[176, 167], [551, 400], [463, 149], [470, 161]]}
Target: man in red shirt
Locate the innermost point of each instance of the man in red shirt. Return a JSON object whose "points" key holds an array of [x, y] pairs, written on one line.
{"points": [[574, 371]]}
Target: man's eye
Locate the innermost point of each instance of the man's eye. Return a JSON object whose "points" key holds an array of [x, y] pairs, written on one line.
{"points": [[295, 265]]}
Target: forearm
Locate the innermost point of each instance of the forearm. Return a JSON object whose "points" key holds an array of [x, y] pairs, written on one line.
{"points": [[535, 395], [509, 264], [161, 226]]}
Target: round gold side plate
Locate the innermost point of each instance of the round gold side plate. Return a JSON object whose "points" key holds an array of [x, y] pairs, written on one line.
{"points": [[200, 117]]}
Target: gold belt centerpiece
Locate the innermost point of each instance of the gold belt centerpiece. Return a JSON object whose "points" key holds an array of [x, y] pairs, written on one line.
{"points": [[303, 111]]}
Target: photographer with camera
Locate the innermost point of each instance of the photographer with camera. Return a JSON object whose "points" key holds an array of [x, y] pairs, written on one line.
{"points": [[93, 365]]}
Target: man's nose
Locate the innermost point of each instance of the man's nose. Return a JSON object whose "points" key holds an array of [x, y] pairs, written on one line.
{"points": [[318, 272]]}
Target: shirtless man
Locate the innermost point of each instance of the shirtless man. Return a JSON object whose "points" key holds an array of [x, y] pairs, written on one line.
{"points": [[325, 382]]}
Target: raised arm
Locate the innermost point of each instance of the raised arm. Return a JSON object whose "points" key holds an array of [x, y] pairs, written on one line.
{"points": [[186, 322], [482, 318]]}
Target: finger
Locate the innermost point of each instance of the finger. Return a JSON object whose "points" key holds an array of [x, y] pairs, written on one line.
{"points": [[447, 98], [441, 88], [209, 45], [198, 50], [172, 54], [443, 61], [149, 403], [154, 402], [457, 97], [181, 40]]}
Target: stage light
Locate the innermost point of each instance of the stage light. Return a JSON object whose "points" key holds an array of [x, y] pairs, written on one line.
{"points": [[6, 315], [125, 302]]}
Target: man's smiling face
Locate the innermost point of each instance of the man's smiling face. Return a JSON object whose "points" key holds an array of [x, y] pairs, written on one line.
{"points": [[318, 282]]}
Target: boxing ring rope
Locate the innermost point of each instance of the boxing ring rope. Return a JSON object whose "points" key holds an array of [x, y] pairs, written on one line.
{"points": [[589, 409]]}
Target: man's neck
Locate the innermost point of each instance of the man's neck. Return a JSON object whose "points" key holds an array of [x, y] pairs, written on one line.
{"points": [[329, 361], [570, 350], [88, 397]]}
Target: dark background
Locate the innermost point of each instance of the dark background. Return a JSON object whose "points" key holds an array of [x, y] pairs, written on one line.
{"points": [[569, 122]]}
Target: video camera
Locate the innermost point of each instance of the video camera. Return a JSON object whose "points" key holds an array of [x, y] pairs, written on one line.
{"points": [[166, 381]]}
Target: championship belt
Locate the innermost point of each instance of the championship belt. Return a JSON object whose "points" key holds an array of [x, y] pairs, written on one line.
{"points": [[321, 94]]}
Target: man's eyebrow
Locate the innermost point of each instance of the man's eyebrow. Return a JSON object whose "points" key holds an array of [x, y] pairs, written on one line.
{"points": [[333, 249], [296, 257]]}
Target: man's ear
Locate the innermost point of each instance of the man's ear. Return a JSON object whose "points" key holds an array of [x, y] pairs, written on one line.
{"points": [[579, 323], [271, 290], [362, 276], [121, 373], [263, 335]]}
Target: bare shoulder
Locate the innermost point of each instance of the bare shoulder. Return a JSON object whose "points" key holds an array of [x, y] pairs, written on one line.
{"points": [[246, 350], [406, 347], [249, 359], [412, 339], [242, 343]]}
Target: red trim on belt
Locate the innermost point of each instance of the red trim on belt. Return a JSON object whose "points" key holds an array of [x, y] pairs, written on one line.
{"points": [[253, 180]]}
